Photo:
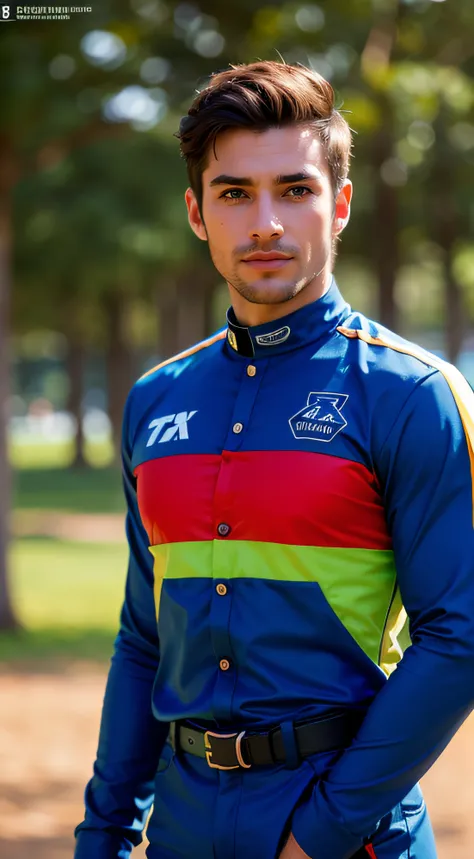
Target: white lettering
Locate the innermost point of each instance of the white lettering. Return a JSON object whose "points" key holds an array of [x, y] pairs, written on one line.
{"points": [[307, 426], [180, 428], [158, 425]]}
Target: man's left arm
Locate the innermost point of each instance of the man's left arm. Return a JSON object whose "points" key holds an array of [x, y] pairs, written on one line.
{"points": [[425, 467]]}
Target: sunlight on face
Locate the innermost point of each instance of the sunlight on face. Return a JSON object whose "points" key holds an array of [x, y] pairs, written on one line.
{"points": [[268, 196], [270, 216]]}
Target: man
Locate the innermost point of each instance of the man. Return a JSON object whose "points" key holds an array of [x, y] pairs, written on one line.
{"points": [[296, 485]]}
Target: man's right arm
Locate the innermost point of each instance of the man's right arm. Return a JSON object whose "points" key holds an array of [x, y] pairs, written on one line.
{"points": [[120, 794]]}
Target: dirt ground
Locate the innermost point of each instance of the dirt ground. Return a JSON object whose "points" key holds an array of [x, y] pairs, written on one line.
{"points": [[48, 734]]}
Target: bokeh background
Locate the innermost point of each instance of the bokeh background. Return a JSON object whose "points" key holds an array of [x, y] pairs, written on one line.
{"points": [[101, 278]]}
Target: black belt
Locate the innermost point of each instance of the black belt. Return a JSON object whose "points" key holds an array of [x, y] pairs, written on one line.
{"points": [[242, 750]]}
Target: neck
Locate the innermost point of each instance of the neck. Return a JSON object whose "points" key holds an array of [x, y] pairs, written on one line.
{"points": [[250, 314]]}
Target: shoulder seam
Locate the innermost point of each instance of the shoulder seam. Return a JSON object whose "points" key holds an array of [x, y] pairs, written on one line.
{"points": [[460, 388], [411, 350], [185, 354]]}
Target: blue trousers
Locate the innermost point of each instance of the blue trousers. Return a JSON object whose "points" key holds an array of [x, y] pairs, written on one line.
{"points": [[201, 813]]}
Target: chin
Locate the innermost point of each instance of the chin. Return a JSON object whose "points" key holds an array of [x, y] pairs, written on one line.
{"points": [[266, 294]]}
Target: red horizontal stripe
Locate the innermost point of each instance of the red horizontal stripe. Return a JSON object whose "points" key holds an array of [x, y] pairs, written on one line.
{"points": [[294, 497], [175, 497]]}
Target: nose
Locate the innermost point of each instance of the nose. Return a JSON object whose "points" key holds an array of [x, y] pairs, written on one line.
{"points": [[265, 224]]}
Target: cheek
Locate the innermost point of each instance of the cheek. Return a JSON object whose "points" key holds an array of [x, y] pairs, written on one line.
{"points": [[224, 232], [315, 215], [314, 224], [217, 224]]}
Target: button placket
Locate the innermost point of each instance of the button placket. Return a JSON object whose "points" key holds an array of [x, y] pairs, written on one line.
{"points": [[249, 387], [220, 609], [222, 591]]}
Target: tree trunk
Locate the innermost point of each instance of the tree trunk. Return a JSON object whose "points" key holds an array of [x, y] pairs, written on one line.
{"points": [[446, 229], [185, 309], [7, 172], [75, 371], [384, 239], [167, 306], [376, 58], [119, 364], [455, 311], [194, 288], [191, 317], [210, 290]]}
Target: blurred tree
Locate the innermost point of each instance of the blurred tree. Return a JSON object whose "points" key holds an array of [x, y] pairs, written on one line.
{"points": [[447, 229], [7, 615], [40, 123], [376, 60], [89, 111]]}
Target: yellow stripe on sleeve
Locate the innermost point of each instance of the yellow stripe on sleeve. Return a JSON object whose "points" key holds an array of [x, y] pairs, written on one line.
{"points": [[186, 353], [460, 388]]}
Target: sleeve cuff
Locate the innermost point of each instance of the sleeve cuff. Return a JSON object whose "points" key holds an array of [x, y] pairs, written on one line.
{"points": [[319, 833], [98, 844]]}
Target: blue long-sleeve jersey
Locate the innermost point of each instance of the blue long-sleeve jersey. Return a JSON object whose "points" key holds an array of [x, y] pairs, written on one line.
{"points": [[300, 516]]}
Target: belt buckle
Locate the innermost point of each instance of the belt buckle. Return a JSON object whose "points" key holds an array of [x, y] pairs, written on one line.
{"points": [[238, 752]]}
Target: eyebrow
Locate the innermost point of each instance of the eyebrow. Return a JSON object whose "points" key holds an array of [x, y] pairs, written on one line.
{"points": [[286, 179]]}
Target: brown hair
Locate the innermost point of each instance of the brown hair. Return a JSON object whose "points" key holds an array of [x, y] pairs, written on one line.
{"points": [[259, 96]]}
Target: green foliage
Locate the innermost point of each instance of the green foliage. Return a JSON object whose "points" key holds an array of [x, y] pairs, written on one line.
{"points": [[99, 203]]}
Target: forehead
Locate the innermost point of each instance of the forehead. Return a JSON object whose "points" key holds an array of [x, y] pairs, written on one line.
{"points": [[258, 155]]}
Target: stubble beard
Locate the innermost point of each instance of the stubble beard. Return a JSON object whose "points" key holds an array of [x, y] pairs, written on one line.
{"points": [[263, 291]]}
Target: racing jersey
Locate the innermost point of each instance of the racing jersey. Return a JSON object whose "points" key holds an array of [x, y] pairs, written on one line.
{"points": [[300, 517]]}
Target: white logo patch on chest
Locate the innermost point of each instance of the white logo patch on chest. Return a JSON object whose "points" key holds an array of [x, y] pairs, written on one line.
{"points": [[321, 418], [178, 430]]}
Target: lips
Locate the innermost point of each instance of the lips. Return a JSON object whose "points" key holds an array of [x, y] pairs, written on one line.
{"points": [[269, 256], [267, 262]]}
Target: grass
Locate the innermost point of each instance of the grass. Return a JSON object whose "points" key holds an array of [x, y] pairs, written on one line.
{"points": [[43, 479], [53, 646], [43, 454], [67, 596], [88, 490]]}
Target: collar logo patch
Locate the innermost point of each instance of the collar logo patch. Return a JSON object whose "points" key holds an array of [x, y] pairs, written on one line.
{"points": [[321, 418], [274, 338], [232, 340]]}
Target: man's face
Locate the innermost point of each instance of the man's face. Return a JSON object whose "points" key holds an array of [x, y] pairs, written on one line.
{"points": [[269, 212]]}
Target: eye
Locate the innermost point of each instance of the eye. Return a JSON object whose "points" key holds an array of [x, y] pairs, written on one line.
{"points": [[233, 194], [298, 191]]}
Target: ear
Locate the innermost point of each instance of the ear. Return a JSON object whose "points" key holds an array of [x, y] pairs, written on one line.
{"points": [[194, 216], [342, 209]]}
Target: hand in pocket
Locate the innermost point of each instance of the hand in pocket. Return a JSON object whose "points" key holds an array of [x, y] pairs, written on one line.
{"points": [[292, 850]]}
